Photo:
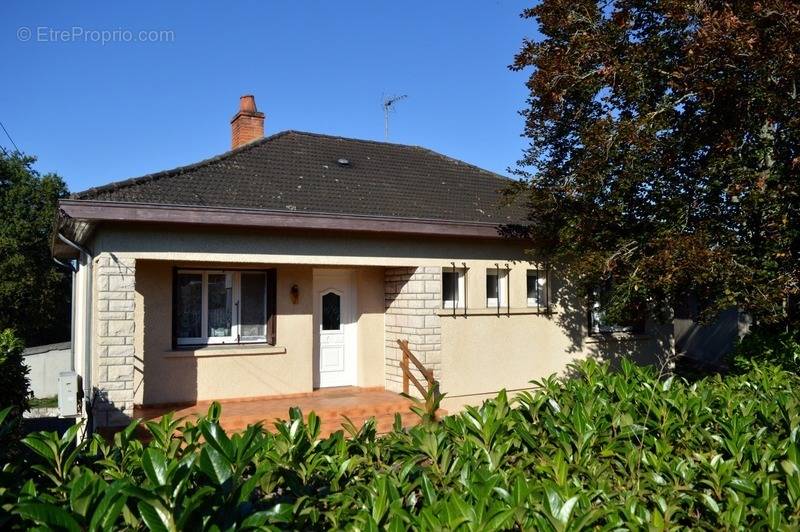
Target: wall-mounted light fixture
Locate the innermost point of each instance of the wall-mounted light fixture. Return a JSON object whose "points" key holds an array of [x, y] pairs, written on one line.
{"points": [[294, 293]]}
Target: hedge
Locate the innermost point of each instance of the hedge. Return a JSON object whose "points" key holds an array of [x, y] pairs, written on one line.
{"points": [[602, 449], [14, 391]]}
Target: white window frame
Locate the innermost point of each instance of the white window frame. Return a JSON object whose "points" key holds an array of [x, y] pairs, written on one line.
{"points": [[502, 292], [459, 302], [235, 336], [542, 290]]}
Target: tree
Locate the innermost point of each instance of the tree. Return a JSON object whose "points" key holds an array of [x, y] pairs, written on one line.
{"points": [[664, 151], [34, 292]]}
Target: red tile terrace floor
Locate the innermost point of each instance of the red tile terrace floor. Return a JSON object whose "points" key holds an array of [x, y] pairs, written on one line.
{"points": [[330, 404]]}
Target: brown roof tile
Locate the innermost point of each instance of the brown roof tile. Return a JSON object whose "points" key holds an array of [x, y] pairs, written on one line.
{"points": [[295, 171]]}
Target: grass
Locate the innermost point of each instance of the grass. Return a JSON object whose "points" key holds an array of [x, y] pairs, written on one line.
{"points": [[43, 402]]}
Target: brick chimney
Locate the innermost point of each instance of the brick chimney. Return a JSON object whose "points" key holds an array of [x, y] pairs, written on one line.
{"points": [[248, 124]]}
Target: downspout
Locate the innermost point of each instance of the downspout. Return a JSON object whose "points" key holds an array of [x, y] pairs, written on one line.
{"points": [[87, 344], [72, 269]]}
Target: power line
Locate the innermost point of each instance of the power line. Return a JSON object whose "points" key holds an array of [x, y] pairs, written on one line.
{"points": [[9, 136]]}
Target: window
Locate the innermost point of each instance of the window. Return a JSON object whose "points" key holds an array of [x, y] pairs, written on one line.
{"points": [[599, 323], [222, 307], [189, 305], [331, 312], [453, 288], [253, 296], [496, 287], [538, 289]]}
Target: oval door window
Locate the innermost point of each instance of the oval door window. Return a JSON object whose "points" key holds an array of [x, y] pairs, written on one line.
{"points": [[331, 312]]}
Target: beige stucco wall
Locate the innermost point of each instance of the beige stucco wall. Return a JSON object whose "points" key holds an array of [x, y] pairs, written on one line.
{"points": [[167, 376], [486, 351], [480, 353], [483, 354], [369, 287]]}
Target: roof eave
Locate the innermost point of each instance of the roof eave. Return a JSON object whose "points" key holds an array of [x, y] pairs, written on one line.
{"points": [[112, 211]]}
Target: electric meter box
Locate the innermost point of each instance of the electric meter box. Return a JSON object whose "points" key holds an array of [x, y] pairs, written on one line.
{"points": [[69, 394]]}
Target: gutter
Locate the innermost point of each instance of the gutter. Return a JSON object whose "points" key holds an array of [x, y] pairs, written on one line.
{"points": [[86, 257], [113, 211]]}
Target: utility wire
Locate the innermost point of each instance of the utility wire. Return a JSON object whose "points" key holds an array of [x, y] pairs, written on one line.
{"points": [[9, 136]]}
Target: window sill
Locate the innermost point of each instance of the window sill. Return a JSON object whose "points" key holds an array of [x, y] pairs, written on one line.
{"points": [[597, 338], [459, 312], [225, 350]]}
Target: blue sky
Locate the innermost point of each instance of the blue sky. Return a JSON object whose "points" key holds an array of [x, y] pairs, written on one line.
{"points": [[96, 112]]}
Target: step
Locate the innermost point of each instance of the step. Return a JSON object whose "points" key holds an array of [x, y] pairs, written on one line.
{"points": [[330, 424], [353, 412], [384, 423], [330, 406]]}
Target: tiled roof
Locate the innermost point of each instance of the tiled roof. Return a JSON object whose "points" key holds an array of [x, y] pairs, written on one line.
{"points": [[313, 173]]}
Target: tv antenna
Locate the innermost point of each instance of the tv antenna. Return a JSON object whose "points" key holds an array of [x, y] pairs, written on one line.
{"points": [[388, 105]]}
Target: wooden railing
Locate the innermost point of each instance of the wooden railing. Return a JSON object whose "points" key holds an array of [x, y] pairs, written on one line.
{"points": [[408, 376]]}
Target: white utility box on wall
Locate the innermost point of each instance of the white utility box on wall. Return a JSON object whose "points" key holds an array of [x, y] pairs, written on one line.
{"points": [[69, 394]]}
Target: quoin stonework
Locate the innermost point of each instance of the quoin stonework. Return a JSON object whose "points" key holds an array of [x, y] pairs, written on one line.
{"points": [[115, 280], [412, 297]]}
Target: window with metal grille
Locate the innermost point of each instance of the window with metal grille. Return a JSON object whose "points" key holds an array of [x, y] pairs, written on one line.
{"points": [[453, 288], [538, 289]]}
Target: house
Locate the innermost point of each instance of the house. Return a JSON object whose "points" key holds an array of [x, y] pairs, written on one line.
{"points": [[294, 262], [44, 363]]}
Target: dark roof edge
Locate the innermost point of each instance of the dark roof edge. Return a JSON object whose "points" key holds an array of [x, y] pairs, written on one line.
{"points": [[112, 211], [39, 349]]}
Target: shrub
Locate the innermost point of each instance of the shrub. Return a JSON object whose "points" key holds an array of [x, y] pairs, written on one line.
{"points": [[765, 345], [14, 385], [605, 450]]}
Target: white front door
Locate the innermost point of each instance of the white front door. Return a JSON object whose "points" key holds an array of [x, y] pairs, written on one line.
{"points": [[334, 320]]}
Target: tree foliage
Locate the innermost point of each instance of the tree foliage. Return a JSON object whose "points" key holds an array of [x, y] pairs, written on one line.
{"points": [[34, 293], [664, 150]]}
